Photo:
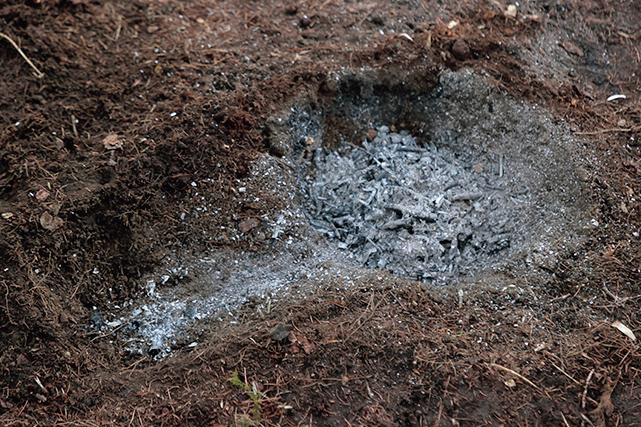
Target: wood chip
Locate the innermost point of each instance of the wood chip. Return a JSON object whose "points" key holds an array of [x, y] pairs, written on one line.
{"points": [[572, 48], [112, 141]]}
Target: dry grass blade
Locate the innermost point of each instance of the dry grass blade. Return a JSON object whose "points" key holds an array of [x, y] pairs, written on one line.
{"points": [[624, 330], [494, 365], [566, 374], [37, 72]]}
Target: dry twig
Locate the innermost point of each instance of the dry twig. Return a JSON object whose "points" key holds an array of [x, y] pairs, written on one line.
{"points": [[599, 132], [37, 72], [566, 374], [494, 365], [585, 391]]}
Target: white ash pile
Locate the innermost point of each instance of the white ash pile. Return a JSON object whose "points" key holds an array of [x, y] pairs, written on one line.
{"points": [[422, 212]]}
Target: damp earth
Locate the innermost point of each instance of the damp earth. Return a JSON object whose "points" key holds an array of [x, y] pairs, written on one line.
{"points": [[328, 213]]}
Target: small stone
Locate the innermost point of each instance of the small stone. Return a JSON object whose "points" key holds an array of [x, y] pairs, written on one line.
{"points": [[371, 135], [21, 360], [378, 20], [42, 195], [97, 320], [50, 222], [460, 49], [511, 11], [280, 332], [248, 224], [112, 141]]}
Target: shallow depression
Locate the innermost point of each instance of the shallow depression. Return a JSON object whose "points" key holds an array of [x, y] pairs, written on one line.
{"points": [[475, 180], [437, 182]]}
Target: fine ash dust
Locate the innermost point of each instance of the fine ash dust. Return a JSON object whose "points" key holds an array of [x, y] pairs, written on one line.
{"points": [[195, 292], [475, 182]]}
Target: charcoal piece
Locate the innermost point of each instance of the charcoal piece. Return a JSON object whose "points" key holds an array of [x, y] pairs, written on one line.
{"points": [[497, 243], [97, 320], [466, 197], [393, 225], [342, 221], [412, 150], [367, 252], [382, 262], [395, 138], [337, 211], [397, 205]]}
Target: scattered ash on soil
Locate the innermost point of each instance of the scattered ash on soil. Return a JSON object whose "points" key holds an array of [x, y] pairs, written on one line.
{"points": [[197, 288]]}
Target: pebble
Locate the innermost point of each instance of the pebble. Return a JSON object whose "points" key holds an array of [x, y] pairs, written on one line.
{"points": [[460, 49], [280, 332], [248, 224]]}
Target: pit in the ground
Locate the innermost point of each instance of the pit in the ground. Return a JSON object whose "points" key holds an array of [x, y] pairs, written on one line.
{"points": [[439, 181], [435, 181]]}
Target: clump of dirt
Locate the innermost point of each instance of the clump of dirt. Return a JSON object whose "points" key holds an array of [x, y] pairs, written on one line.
{"points": [[110, 111]]}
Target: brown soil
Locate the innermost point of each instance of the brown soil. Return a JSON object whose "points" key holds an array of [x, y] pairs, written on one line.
{"points": [[92, 157]]}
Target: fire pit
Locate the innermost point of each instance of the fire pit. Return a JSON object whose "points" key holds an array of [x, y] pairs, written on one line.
{"points": [[443, 183]]}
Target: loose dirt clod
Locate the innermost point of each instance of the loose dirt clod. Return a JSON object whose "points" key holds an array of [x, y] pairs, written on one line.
{"points": [[460, 49], [280, 332]]}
